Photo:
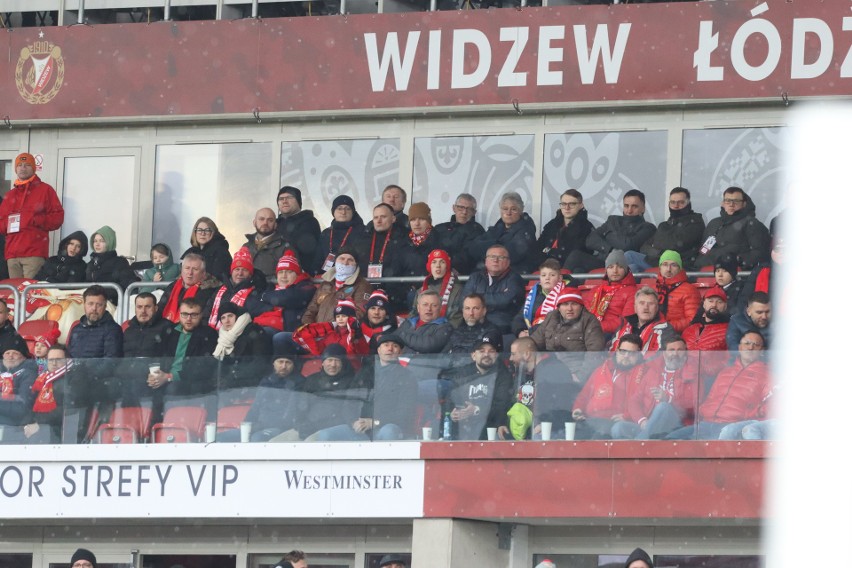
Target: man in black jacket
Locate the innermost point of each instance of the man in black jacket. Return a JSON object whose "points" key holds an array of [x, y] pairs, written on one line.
{"points": [[681, 232], [473, 326], [8, 335], [502, 287], [143, 339], [459, 231], [298, 226]]}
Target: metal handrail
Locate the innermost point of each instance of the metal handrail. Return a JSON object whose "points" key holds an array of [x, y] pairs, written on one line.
{"points": [[125, 305], [16, 296], [19, 314]]}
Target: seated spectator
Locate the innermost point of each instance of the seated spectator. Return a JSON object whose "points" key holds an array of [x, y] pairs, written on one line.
{"points": [[188, 366], [725, 273], [243, 287], [627, 232], [481, 392], [164, 269], [17, 376], [515, 231], [345, 232], [738, 393], [44, 424], [68, 265], [287, 302], [342, 280], [345, 330], [243, 348], [390, 412], [541, 299], [377, 320], [385, 245], [735, 231], [267, 415], [265, 245], [427, 332], [143, 337], [8, 334], [647, 322], [297, 226], [334, 395], [568, 231], [602, 403], [756, 317], [211, 245], [473, 327], [679, 298], [105, 265], [194, 282], [396, 197], [613, 299], [664, 397], [708, 331], [414, 255], [761, 278], [502, 287], [681, 233], [456, 234], [444, 280]]}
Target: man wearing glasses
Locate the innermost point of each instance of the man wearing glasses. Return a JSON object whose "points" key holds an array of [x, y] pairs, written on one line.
{"points": [[83, 558], [735, 231], [502, 288], [459, 231], [567, 231], [187, 365]]}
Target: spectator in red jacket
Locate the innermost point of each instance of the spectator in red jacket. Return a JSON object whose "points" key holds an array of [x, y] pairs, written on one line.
{"points": [[737, 394], [663, 397], [679, 299], [648, 323], [613, 299], [29, 211], [344, 330], [707, 332], [603, 401]]}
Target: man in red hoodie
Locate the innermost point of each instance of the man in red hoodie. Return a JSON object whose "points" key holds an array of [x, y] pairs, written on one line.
{"points": [[28, 213]]}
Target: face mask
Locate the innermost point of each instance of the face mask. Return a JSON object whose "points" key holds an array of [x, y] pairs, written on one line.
{"points": [[344, 271]]}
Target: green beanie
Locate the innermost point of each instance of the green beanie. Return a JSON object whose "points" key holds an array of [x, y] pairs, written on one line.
{"points": [[671, 255]]}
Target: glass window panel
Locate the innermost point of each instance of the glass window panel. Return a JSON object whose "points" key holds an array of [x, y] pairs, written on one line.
{"points": [[483, 166], [189, 561], [323, 170], [16, 560], [603, 167], [8, 176], [750, 158], [226, 182], [314, 559], [115, 181]]}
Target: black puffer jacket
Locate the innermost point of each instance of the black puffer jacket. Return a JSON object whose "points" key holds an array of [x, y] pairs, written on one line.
{"points": [[504, 296], [302, 231], [217, 257], [455, 238], [518, 238], [620, 232], [740, 234], [337, 236], [681, 232], [558, 240], [100, 339], [250, 360], [110, 267], [198, 374], [62, 268]]}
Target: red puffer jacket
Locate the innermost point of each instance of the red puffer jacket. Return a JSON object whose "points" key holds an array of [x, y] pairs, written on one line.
{"points": [[613, 301], [681, 386], [603, 397], [710, 339], [41, 212], [679, 300], [737, 393]]}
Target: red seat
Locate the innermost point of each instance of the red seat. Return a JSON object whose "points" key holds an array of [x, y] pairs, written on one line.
{"points": [[229, 417], [127, 425], [708, 268], [591, 283], [704, 282], [652, 282], [181, 424], [311, 366]]}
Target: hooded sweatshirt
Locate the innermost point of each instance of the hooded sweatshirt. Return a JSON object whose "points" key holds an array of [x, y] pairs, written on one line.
{"points": [[63, 268], [107, 266], [169, 271]]}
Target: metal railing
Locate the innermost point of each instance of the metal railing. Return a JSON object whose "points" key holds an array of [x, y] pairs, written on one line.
{"points": [[16, 298], [125, 309]]}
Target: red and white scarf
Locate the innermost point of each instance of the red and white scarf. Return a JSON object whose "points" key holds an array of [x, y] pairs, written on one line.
{"points": [[239, 299]]}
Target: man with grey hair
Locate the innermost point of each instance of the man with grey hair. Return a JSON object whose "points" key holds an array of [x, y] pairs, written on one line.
{"points": [[648, 322], [194, 282], [455, 235], [427, 332], [515, 230]]}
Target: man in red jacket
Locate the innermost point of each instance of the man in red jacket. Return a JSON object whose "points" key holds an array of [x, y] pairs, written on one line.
{"points": [[28, 213], [707, 332], [738, 393], [679, 299]]}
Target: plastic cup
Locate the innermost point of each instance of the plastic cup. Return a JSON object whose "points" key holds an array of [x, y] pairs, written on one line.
{"points": [[210, 432], [245, 432], [427, 433], [154, 368], [546, 428], [492, 434], [570, 428]]}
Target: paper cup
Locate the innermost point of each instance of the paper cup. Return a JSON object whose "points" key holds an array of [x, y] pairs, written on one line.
{"points": [[154, 368], [570, 427], [492, 434], [210, 432], [427, 433], [546, 428], [245, 432]]}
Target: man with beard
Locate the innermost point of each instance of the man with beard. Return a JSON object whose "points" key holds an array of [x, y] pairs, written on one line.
{"points": [[648, 323], [481, 392], [679, 298], [377, 320], [756, 317], [243, 288], [681, 232], [474, 326], [265, 245], [663, 397], [708, 330], [142, 340], [296, 225], [602, 403]]}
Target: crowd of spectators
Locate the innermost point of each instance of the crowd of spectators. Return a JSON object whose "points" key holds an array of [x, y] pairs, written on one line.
{"points": [[621, 358]]}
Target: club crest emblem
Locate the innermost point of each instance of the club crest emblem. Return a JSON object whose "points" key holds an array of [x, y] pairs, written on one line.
{"points": [[40, 72]]}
